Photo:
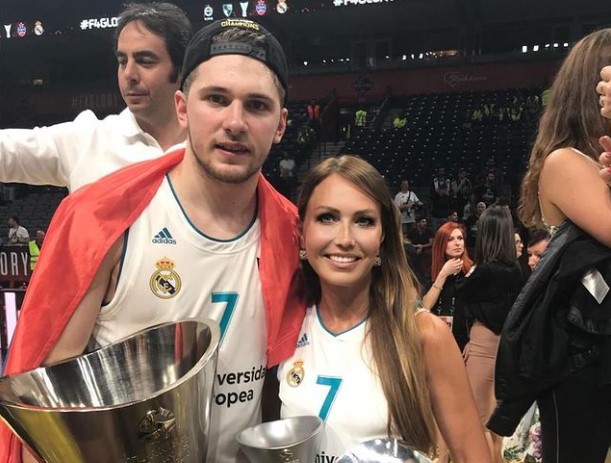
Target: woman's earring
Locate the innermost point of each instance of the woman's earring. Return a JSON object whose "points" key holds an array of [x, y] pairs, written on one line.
{"points": [[377, 262], [303, 255]]}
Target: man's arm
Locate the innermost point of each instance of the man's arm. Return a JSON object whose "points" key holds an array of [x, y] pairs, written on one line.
{"points": [[23, 236], [46, 155], [398, 202], [416, 199], [76, 334], [75, 337]]}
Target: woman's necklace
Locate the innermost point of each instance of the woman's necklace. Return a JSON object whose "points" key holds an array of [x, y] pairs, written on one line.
{"points": [[440, 306]]}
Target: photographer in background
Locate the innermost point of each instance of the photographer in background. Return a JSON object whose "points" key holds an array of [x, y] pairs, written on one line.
{"points": [[407, 202]]}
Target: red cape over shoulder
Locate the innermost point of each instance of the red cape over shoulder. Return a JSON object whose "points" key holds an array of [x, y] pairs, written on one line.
{"points": [[85, 226]]}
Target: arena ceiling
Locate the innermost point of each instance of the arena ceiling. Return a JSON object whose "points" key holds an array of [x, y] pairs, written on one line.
{"points": [[354, 17], [306, 25]]}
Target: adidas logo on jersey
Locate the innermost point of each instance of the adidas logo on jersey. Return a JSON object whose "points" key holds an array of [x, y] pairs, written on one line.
{"points": [[164, 237], [303, 341]]}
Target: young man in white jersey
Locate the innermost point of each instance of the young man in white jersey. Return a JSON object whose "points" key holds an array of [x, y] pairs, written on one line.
{"points": [[197, 233], [150, 42]]}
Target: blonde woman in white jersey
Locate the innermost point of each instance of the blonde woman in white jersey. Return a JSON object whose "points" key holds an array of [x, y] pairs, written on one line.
{"points": [[368, 362]]}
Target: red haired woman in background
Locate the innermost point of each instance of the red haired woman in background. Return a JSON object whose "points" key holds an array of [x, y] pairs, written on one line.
{"points": [[450, 262]]}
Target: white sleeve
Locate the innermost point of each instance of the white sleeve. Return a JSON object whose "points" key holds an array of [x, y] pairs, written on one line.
{"points": [[415, 197], [45, 155], [22, 234], [397, 200]]}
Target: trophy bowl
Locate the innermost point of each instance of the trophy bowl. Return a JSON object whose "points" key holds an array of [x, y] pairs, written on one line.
{"points": [[383, 451], [293, 440], [145, 398]]}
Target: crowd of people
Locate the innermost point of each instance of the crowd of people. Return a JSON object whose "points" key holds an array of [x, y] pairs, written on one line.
{"points": [[447, 355]]}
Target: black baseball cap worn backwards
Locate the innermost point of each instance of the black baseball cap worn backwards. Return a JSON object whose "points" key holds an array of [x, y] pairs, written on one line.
{"points": [[201, 48]]}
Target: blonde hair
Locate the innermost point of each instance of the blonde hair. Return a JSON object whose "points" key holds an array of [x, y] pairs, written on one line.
{"points": [[393, 329], [571, 118]]}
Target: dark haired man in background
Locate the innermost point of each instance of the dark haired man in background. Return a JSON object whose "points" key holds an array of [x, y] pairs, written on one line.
{"points": [[150, 43]]}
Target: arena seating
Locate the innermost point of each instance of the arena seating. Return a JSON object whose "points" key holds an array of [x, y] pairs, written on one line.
{"points": [[441, 130], [34, 205], [444, 130]]}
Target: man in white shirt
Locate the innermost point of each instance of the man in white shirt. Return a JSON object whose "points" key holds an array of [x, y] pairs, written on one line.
{"points": [[407, 201], [287, 167], [16, 233], [287, 175], [150, 43]]}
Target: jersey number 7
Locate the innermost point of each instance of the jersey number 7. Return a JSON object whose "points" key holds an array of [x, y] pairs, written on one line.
{"points": [[333, 383], [231, 300]]}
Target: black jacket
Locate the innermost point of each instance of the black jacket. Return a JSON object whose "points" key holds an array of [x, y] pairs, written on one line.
{"points": [[555, 328], [489, 292]]}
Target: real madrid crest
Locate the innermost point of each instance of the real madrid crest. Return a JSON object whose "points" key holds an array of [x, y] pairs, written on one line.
{"points": [[296, 374], [281, 7], [165, 282]]}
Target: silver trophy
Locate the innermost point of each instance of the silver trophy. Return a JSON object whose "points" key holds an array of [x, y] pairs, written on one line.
{"points": [[383, 451], [143, 399], [291, 440]]}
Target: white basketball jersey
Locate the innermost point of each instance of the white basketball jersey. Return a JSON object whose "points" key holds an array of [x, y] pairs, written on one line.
{"points": [[331, 376], [171, 271]]}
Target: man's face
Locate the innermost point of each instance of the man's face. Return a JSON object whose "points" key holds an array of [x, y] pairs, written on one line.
{"points": [[143, 73], [233, 114], [480, 208], [40, 236], [421, 224], [534, 253], [490, 178], [441, 172], [404, 186]]}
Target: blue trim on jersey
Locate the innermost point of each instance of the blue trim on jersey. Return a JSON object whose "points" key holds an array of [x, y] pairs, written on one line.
{"points": [[235, 238], [331, 332], [121, 261]]}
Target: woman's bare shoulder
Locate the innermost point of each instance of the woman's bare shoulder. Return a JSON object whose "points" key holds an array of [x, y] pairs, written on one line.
{"points": [[561, 156], [433, 330]]}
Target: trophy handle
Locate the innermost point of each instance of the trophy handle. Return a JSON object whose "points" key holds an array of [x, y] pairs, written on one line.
{"points": [[156, 424]]}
